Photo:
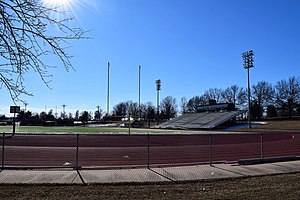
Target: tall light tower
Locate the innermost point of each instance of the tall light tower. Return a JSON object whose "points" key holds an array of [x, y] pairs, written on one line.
{"points": [[158, 87], [248, 63]]}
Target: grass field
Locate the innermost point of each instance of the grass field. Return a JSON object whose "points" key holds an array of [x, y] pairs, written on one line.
{"points": [[286, 125], [76, 129]]}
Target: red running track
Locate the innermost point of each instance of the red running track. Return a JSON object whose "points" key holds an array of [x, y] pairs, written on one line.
{"points": [[132, 150]]}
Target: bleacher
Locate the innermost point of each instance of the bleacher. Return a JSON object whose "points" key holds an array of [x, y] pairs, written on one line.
{"points": [[202, 120]]}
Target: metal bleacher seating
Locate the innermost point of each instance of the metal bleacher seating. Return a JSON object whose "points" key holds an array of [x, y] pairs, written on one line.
{"points": [[203, 120]]}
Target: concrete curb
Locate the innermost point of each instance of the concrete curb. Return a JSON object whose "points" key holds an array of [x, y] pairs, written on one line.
{"points": [[267, 160], [159, 174]]}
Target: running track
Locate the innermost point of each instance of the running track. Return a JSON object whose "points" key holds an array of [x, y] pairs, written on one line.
{"points": [[132, 150]]}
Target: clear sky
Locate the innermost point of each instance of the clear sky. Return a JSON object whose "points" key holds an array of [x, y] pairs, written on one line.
{"points": [[191, 45]]}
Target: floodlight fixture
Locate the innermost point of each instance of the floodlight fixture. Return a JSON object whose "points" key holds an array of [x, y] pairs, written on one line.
{"points": [[248, 59], [64, 110], [248, 63], [158, 84]]}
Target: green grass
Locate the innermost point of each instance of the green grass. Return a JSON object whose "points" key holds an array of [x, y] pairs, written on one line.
{"points": [[77, 129]]}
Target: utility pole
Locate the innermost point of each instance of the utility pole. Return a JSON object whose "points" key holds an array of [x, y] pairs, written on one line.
{"points": [[25, 104], [98, 107], [25, 110], [248, 63], [108, 76], [140, 92]]}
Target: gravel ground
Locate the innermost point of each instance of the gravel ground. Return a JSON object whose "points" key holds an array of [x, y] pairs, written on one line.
{"points": [[285, 186]]}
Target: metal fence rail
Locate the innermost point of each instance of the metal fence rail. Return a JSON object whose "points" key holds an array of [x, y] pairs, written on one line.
{"points": [[102, 151]]}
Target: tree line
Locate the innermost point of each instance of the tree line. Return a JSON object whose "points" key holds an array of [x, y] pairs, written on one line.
{"points": [[51, 118], [267, 100]]}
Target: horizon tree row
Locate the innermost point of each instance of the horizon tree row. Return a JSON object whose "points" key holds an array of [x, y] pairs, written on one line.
{"points": [[52, 118], [280, 100]]}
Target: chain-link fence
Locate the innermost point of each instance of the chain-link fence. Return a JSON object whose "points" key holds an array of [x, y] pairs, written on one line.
{"points": [[107, 151]]}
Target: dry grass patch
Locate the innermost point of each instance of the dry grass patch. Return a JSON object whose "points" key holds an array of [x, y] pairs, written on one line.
{"points": [[285, 125], [266, 187]]}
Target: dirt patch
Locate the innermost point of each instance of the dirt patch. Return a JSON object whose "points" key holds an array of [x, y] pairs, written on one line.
{"points": [[266, 187], [285, 125]]}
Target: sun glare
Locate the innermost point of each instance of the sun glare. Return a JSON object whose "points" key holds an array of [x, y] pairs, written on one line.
{"points": [[60, 7], [57, 2]]}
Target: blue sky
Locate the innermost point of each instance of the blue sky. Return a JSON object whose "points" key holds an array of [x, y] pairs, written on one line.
{"points": [[190, 45]]}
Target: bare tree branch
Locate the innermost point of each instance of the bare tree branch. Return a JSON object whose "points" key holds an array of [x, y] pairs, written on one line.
{"points": [[28, 34]]}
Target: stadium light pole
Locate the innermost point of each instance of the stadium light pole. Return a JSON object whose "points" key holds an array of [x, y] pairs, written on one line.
{"points": [[158, 87], [248, 63]]}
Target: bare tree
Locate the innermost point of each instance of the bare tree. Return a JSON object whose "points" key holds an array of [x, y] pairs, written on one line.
{"points": [[288, 94], [183, 105], [77, 115], [132, 108], [85, 117], [29, 33], [213, 94], [262, 95], [98, 114], [195, 102], [120, 110], [229, 95], [148, 112], [168, 107], [241, 99]]}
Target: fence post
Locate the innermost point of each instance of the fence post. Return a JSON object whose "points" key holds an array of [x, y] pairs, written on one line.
{"points": [[148, 151], [77, 151], [261, 146], [210, 149], [3, 140]]}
